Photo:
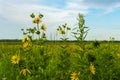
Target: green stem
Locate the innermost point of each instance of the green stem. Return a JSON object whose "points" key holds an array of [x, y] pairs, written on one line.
{"points": [[38, 30]]}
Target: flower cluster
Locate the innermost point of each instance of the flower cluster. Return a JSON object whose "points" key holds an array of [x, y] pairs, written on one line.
{"points": [[26, 42], [37, 20], [15, 59]]}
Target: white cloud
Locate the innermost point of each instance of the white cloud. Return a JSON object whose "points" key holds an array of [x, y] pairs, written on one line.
{"points": [[19, 13], [84, 5]]}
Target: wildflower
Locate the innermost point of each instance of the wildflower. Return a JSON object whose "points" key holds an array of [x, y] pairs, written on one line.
{"points": [[37, 20], [26, 46], [43, 27], [74, 76], [24, 39], [15, 59], [25, 71], [92, 68], [62, 32]]}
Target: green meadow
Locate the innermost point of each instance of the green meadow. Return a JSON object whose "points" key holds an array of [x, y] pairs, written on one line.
{"points": [[61, 61]]}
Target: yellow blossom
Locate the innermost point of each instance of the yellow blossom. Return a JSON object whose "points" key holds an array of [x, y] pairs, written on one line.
{"points": [[92, 68], [43, 27], [24, 38], [15, 59], [26, 46], [74, 76], [25, 71], [37, 20], [62, 32]]}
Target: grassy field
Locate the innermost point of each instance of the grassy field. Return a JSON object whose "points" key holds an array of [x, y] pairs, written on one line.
{"points": [[60, 61]]}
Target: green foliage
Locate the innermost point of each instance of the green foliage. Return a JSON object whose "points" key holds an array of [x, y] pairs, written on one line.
{"points": [[32, 15], [82, 30], [58, 62]]}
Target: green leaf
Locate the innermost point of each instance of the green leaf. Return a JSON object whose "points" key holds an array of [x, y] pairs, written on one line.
{"points": [[40, 15], [74, 28], [32, 15]]}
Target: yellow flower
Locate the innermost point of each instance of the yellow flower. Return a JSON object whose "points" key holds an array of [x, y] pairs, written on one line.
{"points": [[92, 68], [24, 38], [26, 46], [25, 71], [74, 76], [43, 27], [15, 59], [62, 32], [37, 20]]}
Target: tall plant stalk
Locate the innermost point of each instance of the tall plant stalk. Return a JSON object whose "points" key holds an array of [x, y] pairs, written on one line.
{"points": [[81, 30]]}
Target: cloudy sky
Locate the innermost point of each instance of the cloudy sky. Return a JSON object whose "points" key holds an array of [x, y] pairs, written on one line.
{"points": [[102, 16]]}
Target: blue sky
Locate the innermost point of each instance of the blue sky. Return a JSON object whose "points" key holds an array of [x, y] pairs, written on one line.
{"points": [[102, 16]]}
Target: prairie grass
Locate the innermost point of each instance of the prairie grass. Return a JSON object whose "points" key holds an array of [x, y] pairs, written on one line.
{"points": [[56, 61]]}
